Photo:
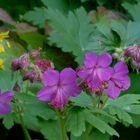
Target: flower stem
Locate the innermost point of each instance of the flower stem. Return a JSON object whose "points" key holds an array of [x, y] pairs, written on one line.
{"points": [[61, 122], [87, 132], [25, 131]]}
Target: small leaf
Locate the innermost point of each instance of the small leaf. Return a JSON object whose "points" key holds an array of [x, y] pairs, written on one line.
{"points": [[122, 114], [50, 129], [37, 16], [97, 135], [134, 10], [82, 100], [75, 121], [59, 4], [99, 124], [134, 109], [8, 121], [34, 39], [125, 100]]}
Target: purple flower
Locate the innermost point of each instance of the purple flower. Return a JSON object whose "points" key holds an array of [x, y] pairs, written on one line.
{"points": [[5, 98], [96, 70], [118, 81], [59, 87]]}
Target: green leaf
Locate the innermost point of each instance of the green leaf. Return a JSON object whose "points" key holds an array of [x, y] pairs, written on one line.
{"points": [[136, 120], [122, 114], [99, 124], [59, 4], [82, 100], [97, 135], [125, 100], [34, 107], [75, 138], [70, 33], [128, 32], [7, 79], [75, 121], [108, 118], [37, 17], [103, 40], [101, 2], [8, 121], [50, 129], [133, 10], [34, 39], [135, 109], [135, 86]]}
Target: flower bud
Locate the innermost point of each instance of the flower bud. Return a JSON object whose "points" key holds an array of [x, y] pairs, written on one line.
{"points": [[15, 64], [20, 63], [16, 87], [24, 61], [134, 53], [44, 65], [31, 76], [35, 54]]}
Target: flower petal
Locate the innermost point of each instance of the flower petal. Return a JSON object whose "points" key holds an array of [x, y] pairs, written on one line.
{"points": [[51, 77], [94, 83], [59, 100], [67, 76], [121, 68], [126, 83], [104, 73], [112, 91], [104, 59], [4, 108], [90, 59], [84, 73], [46, 93], [71, 90], [6, 97]]}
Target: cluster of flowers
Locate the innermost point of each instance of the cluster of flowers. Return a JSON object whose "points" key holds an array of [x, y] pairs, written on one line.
{"points": [[32, 65], [32, 72], [3, 43], [96, 74]]}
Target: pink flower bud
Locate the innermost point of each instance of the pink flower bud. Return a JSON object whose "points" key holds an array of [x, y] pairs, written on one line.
{"points": [[44, 65], [134, 53], [15, 64], [31, 76], [20, 63], [35, 54], [24, 61]]}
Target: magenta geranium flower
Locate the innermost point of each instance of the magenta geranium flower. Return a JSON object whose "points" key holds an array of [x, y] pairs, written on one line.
{"points": [[59, 87], [5, 98], [118, 81], [96, 70]]}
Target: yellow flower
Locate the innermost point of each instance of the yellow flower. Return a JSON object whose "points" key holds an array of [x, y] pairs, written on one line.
{"points": [[2, 49], [1, 64], [4, 35]]}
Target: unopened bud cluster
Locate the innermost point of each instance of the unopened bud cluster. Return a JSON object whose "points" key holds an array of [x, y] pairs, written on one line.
{"points": [[32, 65]]}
